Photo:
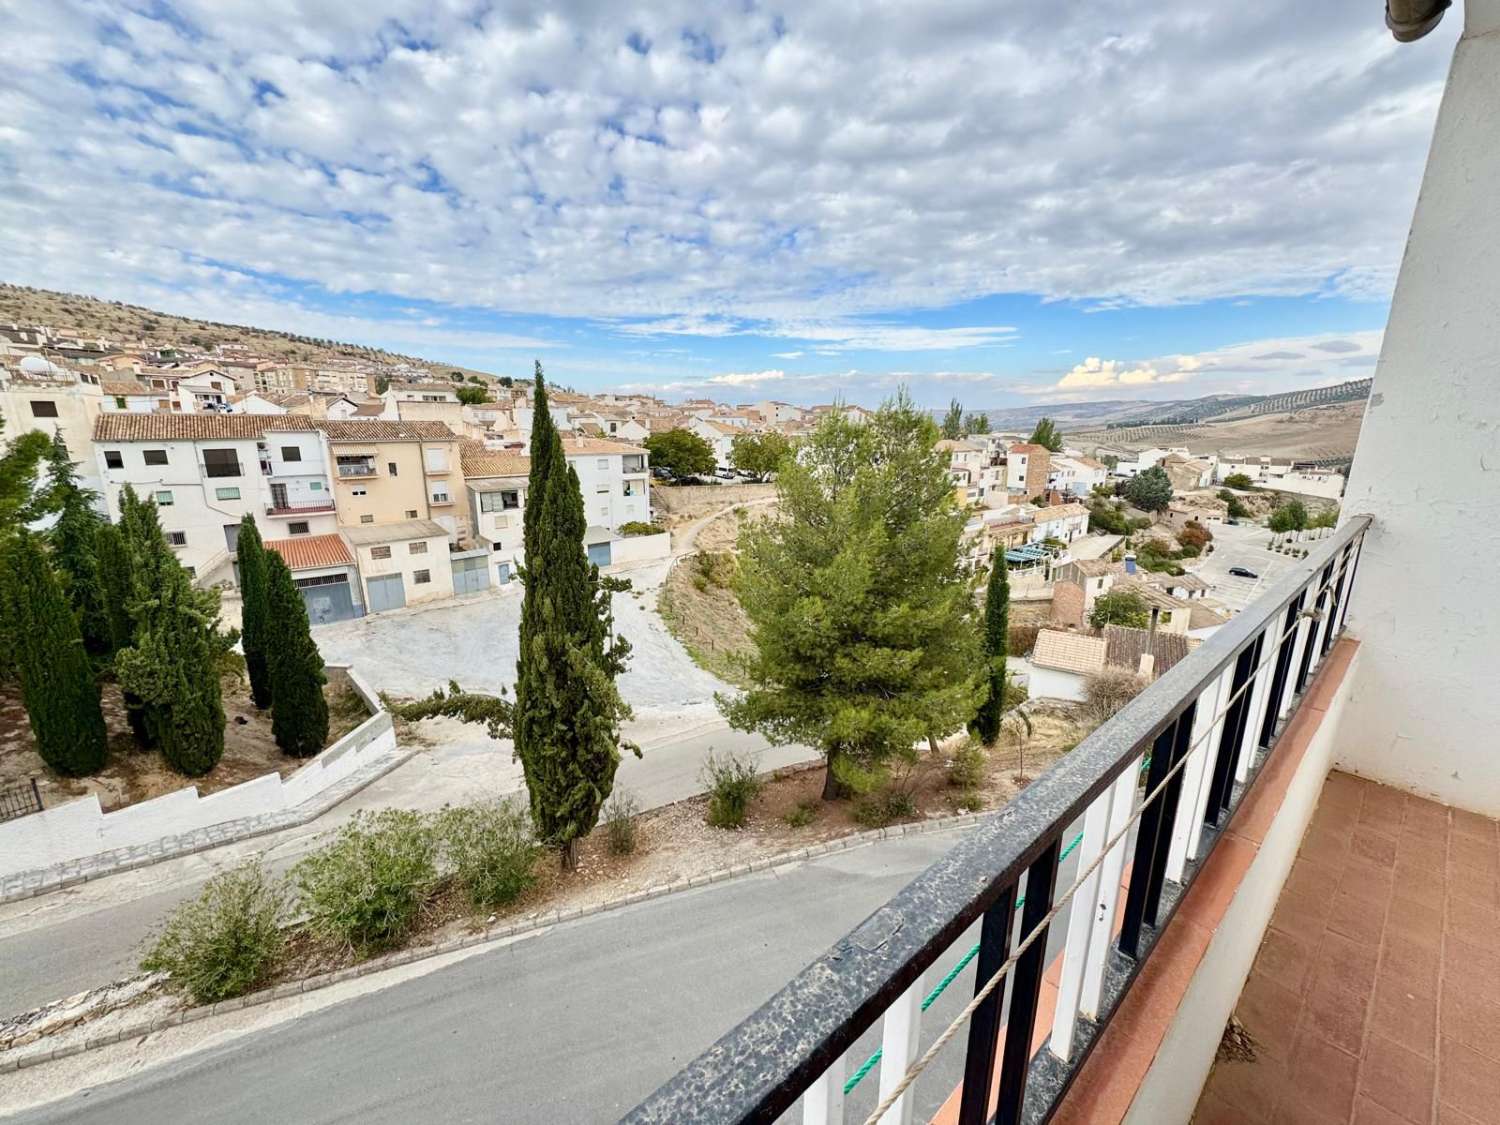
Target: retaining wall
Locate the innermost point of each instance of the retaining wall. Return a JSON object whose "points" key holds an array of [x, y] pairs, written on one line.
{"points": [[82, 829]]}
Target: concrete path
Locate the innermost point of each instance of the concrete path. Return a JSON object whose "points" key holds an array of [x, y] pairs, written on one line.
{"points": [[576, 1025], [684, 542]]}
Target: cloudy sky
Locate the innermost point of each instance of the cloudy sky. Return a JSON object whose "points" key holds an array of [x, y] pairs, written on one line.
{"points": [[1011, 202]]}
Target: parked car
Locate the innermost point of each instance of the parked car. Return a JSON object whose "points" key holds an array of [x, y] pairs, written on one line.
{"points": [[726, 474], [1243, 572], [659, 473]]}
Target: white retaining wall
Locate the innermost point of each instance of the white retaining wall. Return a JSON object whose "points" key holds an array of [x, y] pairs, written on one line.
{"points": [[640, 548], [81, 828]]}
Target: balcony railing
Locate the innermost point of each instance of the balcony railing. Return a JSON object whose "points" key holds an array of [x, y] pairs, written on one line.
{"points": [[299, 507], [356, 468], [1160, 782]]}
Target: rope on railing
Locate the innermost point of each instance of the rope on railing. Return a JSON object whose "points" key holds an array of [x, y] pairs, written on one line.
{"points": [[963, 963], [1040, 929]]}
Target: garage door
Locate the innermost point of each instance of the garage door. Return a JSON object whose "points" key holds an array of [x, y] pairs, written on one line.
{"points": [[599, 554], [471, 575], [328, 598], [387, 592]]}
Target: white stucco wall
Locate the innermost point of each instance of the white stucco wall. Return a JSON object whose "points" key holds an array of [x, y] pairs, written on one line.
{"points": [[1171, 1087], [1425, 710], [80, 829], [1049, 683]]}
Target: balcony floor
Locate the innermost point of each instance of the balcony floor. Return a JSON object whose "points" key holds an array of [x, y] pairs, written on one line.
{"points": [[1375, 997]]}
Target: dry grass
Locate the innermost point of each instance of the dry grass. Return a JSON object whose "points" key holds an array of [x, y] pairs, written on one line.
{"points": [[706, 618], [1314, 433]]}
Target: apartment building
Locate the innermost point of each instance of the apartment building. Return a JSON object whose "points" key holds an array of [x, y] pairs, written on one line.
{"points": [[615, 479], [36, 394], [207, 471], [720, 437], [389, 472], [1027, 466], [1076, 476], [495, 483], [402, 563]]}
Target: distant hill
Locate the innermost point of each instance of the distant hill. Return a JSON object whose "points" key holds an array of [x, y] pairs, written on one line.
{"points": [[134, 326]]}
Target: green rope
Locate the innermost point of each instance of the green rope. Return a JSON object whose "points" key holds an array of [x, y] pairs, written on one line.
{"points": [[869, 1063]]}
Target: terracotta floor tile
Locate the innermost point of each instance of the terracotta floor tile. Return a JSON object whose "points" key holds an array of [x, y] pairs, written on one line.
{"points": [[1466, 823], [1309, 876], [1323, 1077], [1367, 880], [1421, 810], [1302, 916], [1468, 1080], [1471, 1020], [1249, 1087], [1293, 1110], [1448, 1115], [1478, 890], [1342, 788], [1368, 1112], [1419, 921], [1383, 807], [1410, 964], [1405, 1017], [1356, 918], [1398, 1079], [1326, 845], [1342, 962], [1459, 955], [1212, 1111], [1269, 1012], [1466, 851], [1337, 1014], [1427, 855], [1374, 846], [1284, 959], [1473, 923]]}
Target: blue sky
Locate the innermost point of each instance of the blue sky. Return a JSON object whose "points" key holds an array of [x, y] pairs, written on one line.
{"points": [[1007, 204]]}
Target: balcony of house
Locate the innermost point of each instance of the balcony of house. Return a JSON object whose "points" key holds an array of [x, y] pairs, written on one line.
{"points": [[1078, 958], [292, 509], [440, 499], [354, 467]]}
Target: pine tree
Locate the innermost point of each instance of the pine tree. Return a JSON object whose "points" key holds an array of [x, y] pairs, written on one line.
{"points": [[953, 421], [57, 679], [73, 547], [251, 555], [986, 723], [299, 713], [1046, 434], [861, 616], [568, 710]]}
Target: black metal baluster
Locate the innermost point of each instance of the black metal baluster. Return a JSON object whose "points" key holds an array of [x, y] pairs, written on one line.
{"points": [[1145, 844], [1026, 988], [1284, 646], [1304, 666], [1235, 718], [1335, 607], [984, 1027], [1181, 740], [1358, 546]]}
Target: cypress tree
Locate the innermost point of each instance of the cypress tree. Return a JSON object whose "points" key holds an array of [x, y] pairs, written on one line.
{"points": [[568, 710], [299, 713], [72, 539], [114, 579], [986, 723], [251, 555], [57, 678], [172, 665]]}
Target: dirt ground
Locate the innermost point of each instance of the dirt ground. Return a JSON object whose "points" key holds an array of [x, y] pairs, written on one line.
{"points": [[723, 534], [677, 505], [705, 618], [1314, 433], [131, 774]]}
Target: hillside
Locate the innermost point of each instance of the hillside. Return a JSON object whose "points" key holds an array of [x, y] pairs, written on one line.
{"points": [[1314, 433], [132, 325]]}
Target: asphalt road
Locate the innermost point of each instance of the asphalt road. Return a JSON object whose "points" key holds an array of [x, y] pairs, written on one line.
{"points": [[1242, 545], [576, 1025], [87, 936]]}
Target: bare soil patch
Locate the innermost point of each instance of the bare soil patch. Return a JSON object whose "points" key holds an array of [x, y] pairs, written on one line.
{"points": [[131, 774], [678, 505]]}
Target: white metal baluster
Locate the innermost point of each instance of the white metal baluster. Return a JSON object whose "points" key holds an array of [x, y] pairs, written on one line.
{"points": [[1101, 937], [1255, 707], [1080, 926], [1194, 779], [1210, 753], [1299, 639], [823, 1103], [898, 1050]]}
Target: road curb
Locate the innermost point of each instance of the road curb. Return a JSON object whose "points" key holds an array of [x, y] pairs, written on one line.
{"points": [[491, 934]]}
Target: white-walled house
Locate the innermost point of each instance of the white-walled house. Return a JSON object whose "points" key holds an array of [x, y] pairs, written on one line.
{"points": [[615, 479], [207, 471], [1075, 475], [720, 436], [1066, 522], [495, 482], [403, 563], [209, 389]]}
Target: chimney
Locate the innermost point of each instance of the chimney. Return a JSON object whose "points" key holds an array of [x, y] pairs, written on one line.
{"points": [[1130, 562]]}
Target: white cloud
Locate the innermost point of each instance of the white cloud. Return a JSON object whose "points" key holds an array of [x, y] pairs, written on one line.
{"points": [[1095, 372], [476, 155]]}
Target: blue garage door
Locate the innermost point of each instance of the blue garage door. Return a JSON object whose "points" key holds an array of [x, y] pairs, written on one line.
{"points": [[471, 575], [599, 554], [386, 593], [328, 598]]}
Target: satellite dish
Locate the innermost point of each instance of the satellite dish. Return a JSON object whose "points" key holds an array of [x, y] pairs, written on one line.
{"points": [[35, 365]]}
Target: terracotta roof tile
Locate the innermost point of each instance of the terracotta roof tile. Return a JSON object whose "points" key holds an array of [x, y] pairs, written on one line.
{"points": [[194, 427], [377, 430], [481, 462], [307, 551], [1068, 652], [1125, 646]]}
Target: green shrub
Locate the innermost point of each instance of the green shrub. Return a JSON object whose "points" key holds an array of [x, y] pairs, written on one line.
{"points": [[732, 784], [804, 814], [714, 568], [619, 822], [491, 849], [966, 769], [969, 801], [636, 527], [885, 807], [366, 888], [224, 942]]}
